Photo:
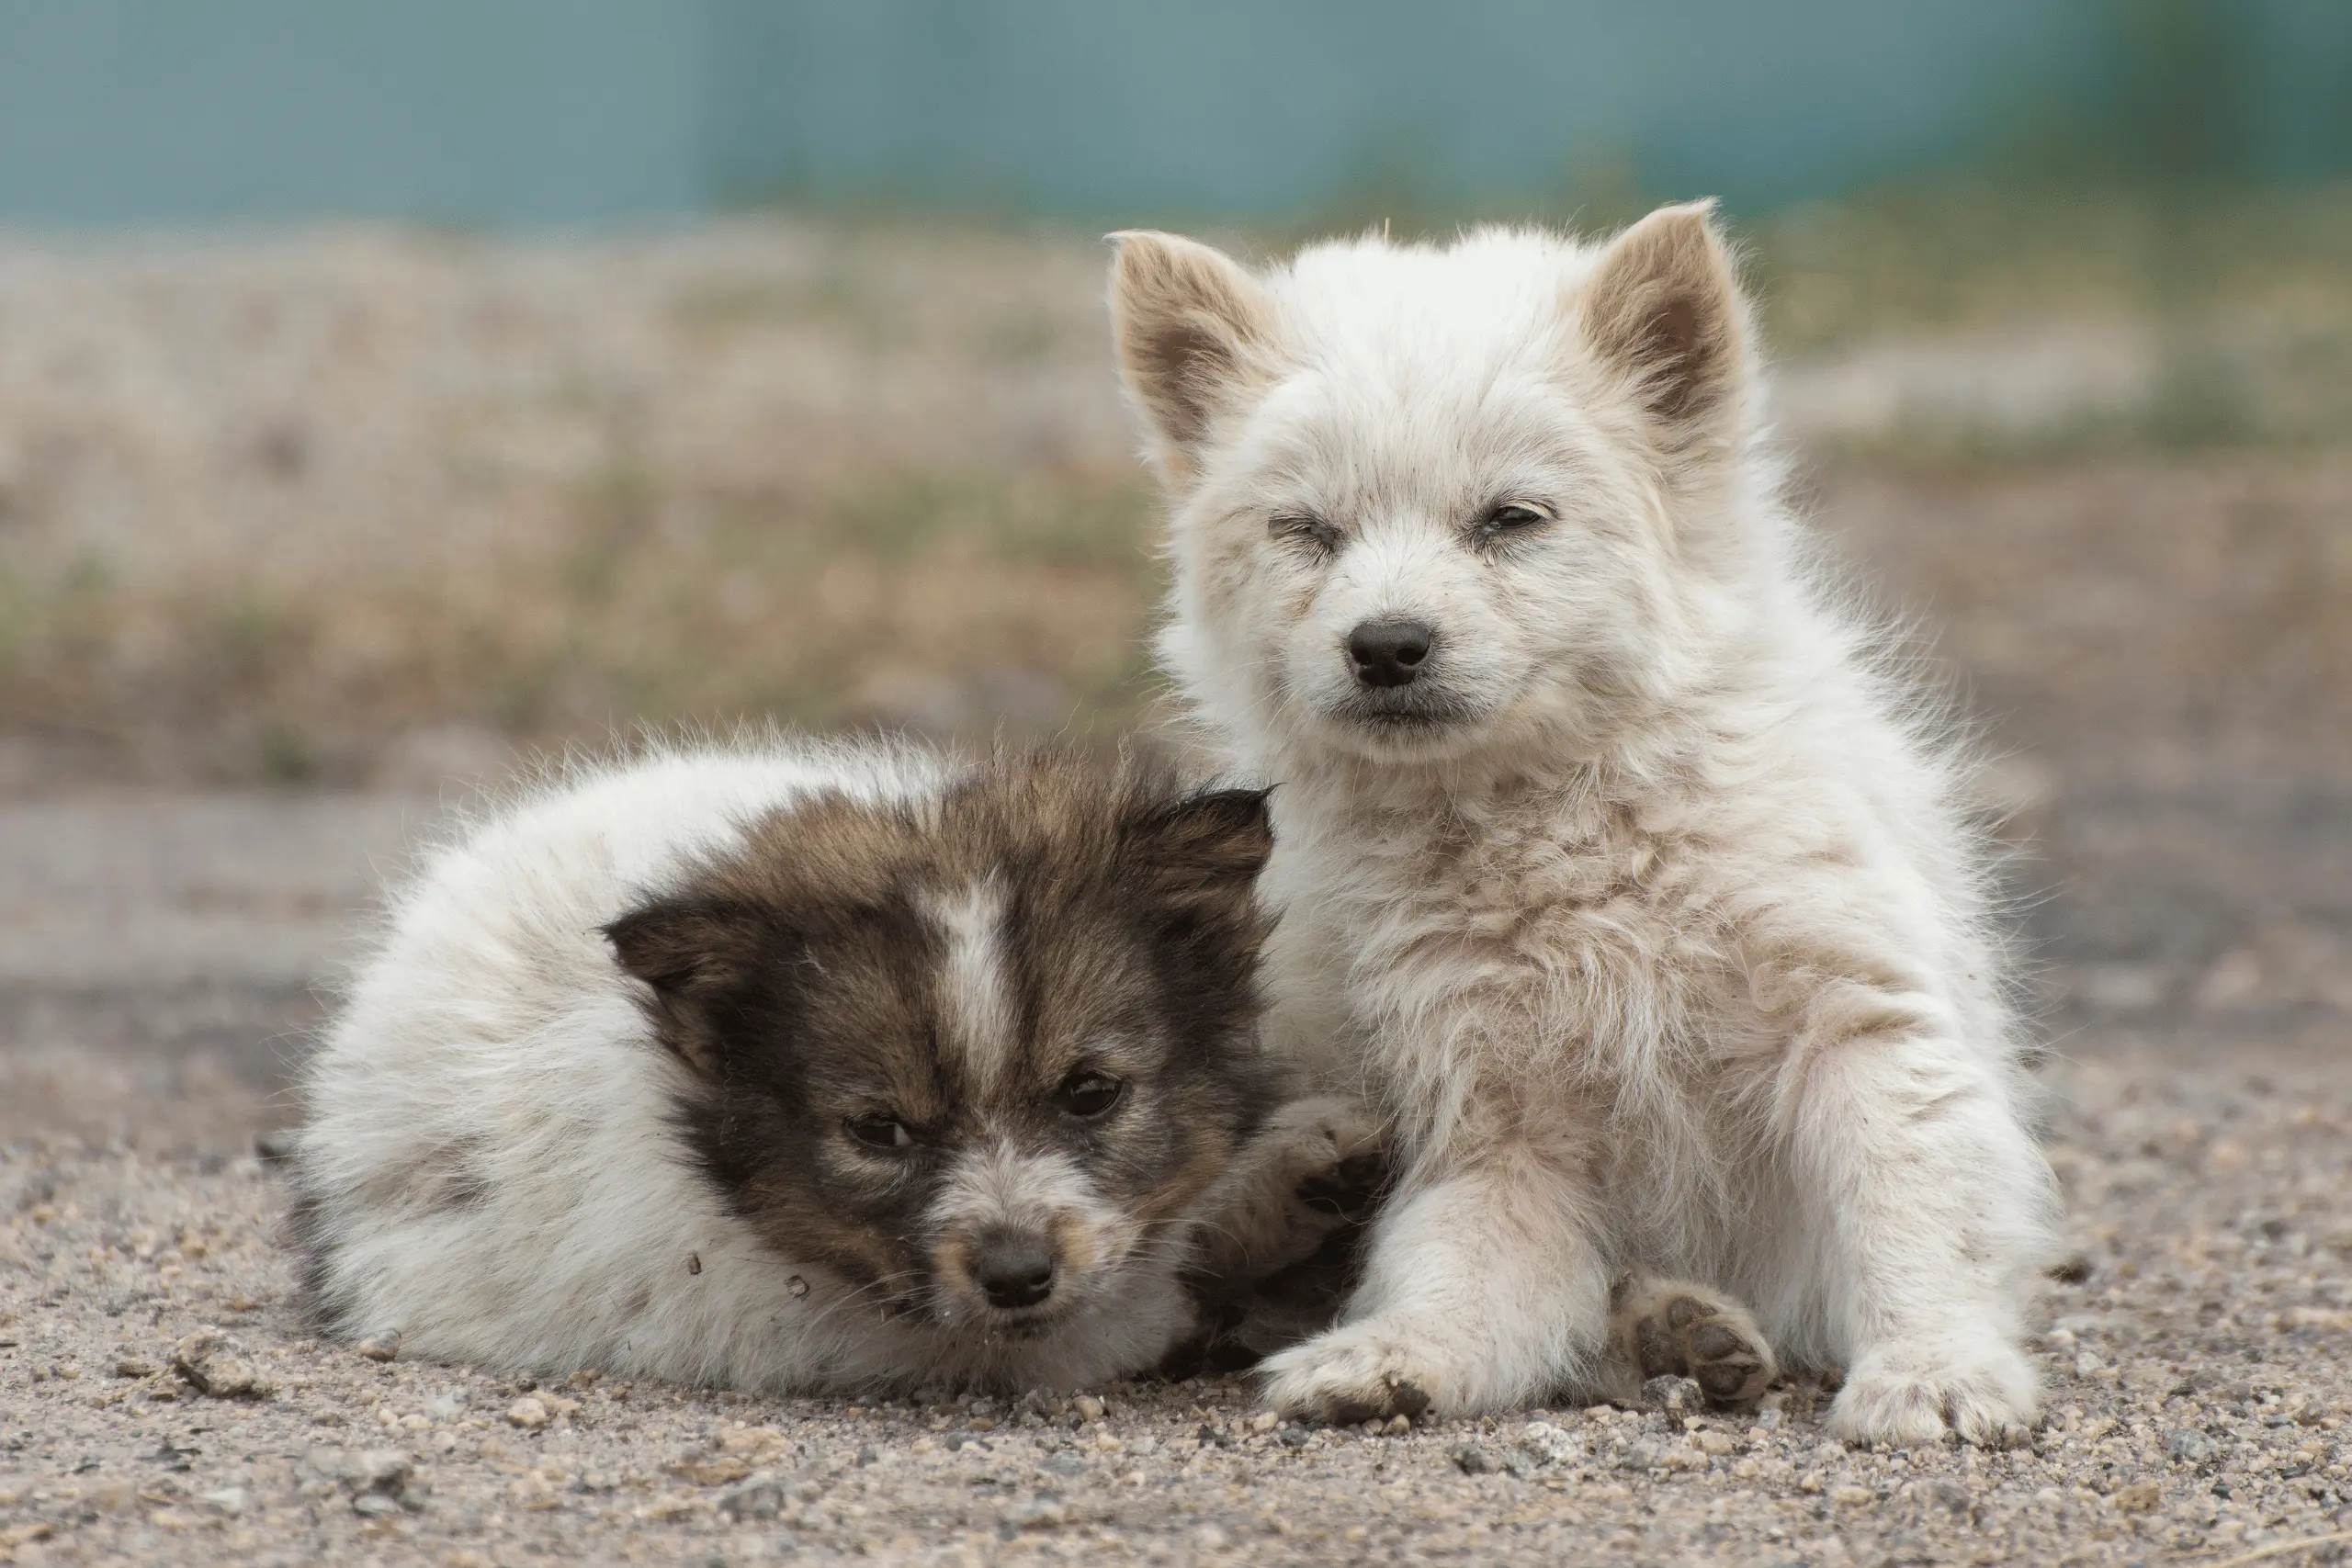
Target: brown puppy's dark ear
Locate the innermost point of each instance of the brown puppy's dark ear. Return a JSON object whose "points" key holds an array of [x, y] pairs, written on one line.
{"points": [[688, 950], [1206, 848], [1193, 330], [1663, 309]]}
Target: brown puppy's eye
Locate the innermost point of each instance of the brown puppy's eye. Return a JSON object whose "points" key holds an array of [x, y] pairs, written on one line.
{"points": [[880, 1132], [1086, 1094]]}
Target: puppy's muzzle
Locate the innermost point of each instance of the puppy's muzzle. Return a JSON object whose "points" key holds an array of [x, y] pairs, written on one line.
{"points": [[1014, 1269]]}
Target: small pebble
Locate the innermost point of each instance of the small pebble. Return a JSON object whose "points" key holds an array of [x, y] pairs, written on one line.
{"points": [[1673, 1395], [215, 1364], [752, 1500], [527, 1413], [1042, 1512], [1472, 1460]]}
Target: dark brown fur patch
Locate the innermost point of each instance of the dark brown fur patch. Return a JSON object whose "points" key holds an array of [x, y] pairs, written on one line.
{"points": [[799, 978]]}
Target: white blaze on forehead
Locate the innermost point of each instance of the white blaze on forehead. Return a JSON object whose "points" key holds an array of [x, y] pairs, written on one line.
{"points": [[978, 1016]]}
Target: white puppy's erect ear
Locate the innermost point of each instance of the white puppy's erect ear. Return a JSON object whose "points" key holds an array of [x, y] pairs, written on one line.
{"points": [[1663, 308], [1191, 327]]}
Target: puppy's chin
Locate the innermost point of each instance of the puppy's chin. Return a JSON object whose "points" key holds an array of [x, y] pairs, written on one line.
{"points": [[1428, 730], [1022, 1327], [966, 1315]]}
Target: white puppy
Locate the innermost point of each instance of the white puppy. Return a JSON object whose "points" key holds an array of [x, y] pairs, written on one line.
{"points": [[816, 1066], [1611, 857]]}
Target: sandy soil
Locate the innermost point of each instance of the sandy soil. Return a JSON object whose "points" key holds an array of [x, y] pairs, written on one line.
{"points": [[2198, 1382]]}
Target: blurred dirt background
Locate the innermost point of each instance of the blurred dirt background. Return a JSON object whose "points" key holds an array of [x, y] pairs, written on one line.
{"points": [[299, 533], [303, 536]]}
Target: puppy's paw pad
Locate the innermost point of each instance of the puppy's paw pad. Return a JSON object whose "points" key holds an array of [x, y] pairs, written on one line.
{"points": [[1351, 1375], [1725, 1353], [1671, 1329], [1350, 1190]]}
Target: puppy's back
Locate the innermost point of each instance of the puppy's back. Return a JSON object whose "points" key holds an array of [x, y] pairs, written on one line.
{"points": [[488, 1160]]}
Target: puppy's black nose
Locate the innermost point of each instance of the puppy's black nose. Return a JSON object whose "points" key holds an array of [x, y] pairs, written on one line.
{"points": [[1013, 1269], [1390, 653]]}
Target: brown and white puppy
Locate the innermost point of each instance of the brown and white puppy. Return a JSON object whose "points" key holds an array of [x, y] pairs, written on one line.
{"points": [[807, 1067]]}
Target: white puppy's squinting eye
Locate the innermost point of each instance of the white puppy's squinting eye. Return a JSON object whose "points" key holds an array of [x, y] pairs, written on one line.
{"points": [[1511, 519], [1310, 533]]}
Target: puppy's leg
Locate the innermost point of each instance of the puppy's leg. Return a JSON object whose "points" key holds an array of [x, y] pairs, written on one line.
{"points": [[1931, 1209], [1483, 1289], [1318, 1164], [1673, 1328]]}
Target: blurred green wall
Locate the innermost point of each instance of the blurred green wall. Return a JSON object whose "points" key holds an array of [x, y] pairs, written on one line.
{"points": [[595, 111]]}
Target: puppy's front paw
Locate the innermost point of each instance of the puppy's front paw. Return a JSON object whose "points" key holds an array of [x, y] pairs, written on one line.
{"points": [[1335, 1157], [1671, 1328], [1325, 1163], [1913, 1393], [1355, 1373], [1327, 1145]]}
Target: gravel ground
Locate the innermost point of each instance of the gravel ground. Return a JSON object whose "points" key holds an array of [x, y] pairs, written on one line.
{"points": [[2198, 1384]]}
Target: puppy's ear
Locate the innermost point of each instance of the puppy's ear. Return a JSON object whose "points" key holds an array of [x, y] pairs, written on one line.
{"points": [[1205, 849], [1194, 330], [1663, 309], [689, 950]]}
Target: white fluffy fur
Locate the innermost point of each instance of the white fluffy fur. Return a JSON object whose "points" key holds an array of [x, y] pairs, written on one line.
{"points": [[1675, 949], [494, 1023]]}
